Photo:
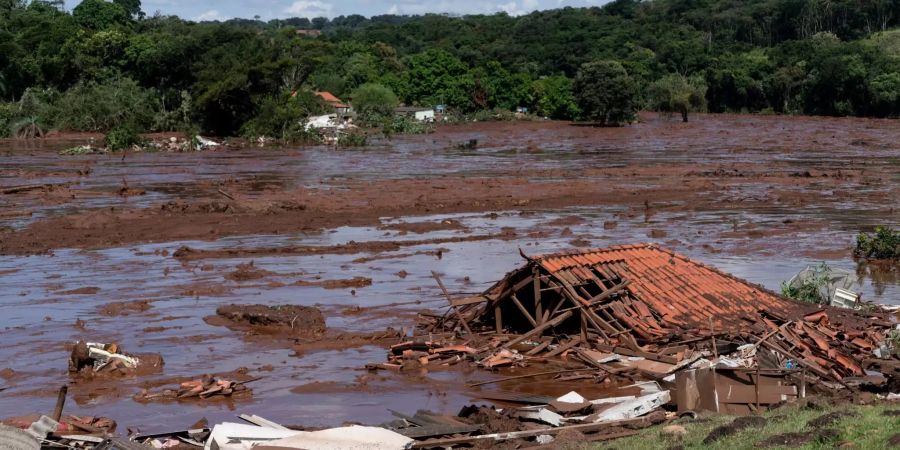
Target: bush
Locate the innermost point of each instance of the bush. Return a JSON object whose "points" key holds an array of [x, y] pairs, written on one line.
{"points": [[103, 106], [373, 102], [281, 117], [884, 244], [404, 125], [121, 137], [496, 114], [7, 116], [352, 139], [809, 290]]}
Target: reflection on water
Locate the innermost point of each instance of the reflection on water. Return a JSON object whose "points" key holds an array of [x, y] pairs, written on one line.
{"points": [[882, 275]]}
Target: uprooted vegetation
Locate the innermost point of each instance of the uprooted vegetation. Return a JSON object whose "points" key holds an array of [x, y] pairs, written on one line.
{"points": [[809, 289], [883, 244]]}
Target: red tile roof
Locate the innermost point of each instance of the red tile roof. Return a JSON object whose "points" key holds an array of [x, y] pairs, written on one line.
{"points": [[684, 292], [332, 100]]}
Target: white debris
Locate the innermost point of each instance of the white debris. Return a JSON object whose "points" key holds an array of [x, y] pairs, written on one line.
{"points": [[102, 357], [542, 415], [572, 397], [637, 407], [237, 436], [345, 438]]}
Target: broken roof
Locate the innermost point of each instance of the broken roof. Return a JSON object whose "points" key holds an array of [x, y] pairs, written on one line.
{"points": [[640, 290], [683, 291]]}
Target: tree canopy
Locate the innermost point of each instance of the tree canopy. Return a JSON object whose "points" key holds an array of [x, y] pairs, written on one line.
{"points": [[832, 57]]}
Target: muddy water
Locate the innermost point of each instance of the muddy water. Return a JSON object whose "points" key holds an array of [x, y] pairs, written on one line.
{"points": [[40, 318], [762, 241], [763, 145]]}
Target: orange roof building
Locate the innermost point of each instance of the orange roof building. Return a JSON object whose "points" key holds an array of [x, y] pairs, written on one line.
{"points": [[330, 98], [645, 289]]}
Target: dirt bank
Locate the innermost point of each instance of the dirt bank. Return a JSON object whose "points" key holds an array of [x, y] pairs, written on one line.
{"points": [[288, 320]]}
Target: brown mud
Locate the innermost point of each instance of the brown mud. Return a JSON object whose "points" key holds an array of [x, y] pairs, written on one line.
{"points": [[761, 162], [290, 320], [759, 197]]}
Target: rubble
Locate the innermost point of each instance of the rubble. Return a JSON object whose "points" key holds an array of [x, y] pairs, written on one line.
{"points": [[644, 312], [89, 359], [201, 388]]}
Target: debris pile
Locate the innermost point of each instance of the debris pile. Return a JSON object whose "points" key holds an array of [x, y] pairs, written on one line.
{"points": [[201, 388], [90, 358], [640, 312]]}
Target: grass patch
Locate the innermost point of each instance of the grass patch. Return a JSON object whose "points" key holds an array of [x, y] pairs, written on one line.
{"points": [[865, 426]]}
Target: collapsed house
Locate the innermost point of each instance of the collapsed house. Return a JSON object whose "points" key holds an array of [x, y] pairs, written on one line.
{"points": [[650, 313]]}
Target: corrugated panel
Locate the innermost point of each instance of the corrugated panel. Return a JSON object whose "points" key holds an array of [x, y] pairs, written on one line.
{"points": [[685, 292]]}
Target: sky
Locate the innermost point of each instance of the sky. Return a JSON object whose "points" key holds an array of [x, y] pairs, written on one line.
{"points": [[273, 9]]}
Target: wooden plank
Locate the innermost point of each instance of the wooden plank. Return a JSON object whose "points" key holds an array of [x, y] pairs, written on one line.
{"points": [[467, 301], [558, 350], [450, 300], [538, 312], [539, 329], [631, 352], [524, 311], [538, 349], [434, 430]]}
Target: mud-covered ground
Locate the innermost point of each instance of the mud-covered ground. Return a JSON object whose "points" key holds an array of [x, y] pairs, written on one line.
{"points": [[142, 249]]}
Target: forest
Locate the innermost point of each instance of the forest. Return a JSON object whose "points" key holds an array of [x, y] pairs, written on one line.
{"points": [[108, 64]]}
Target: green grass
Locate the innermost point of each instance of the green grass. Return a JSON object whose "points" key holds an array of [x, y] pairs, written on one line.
{"points": [[867, 429]]}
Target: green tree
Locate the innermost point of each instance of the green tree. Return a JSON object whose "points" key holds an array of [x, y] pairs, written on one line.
{"points": [[675, 93], [132, 7], [436, 76], [553, 98], [605, 93], [100, 14], [282, 116], [373, 102]]}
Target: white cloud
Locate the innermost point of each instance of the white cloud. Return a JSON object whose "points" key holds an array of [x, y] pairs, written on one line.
{"points": [[210, 15], [518, 8], [310, 8]]}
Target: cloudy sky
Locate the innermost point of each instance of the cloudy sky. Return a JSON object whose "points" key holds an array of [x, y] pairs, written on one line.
{"points": [[269, 9]]}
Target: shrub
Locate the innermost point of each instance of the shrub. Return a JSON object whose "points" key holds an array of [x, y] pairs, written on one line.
{"points": [[103, 106], [496, 114], [121, 137], [352, 139], [7, 116], [404, 125], [373, 102], [281, 117], [884, 244], [808, 289], [26, 128]]}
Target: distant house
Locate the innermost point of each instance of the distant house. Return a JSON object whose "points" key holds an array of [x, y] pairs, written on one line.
{"points": [[340, 108], [309, 33], [420, 114]]}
